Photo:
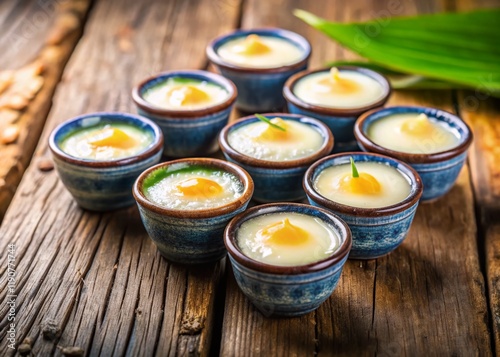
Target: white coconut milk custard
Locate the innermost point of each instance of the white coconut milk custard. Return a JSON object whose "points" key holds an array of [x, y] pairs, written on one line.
{"points": [[413, 133], [106, 141], [192, 187], [260, 51], [276, 139], [363, 184], [343, 89], [179, 93], [287, 239]]}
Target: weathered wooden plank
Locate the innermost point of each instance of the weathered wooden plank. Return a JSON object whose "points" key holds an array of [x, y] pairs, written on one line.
{"points": [[98, 276], [491, 236], [25, 25], [247, 332], [483, 115], [426, 298], [43, 32], [482, 112]]}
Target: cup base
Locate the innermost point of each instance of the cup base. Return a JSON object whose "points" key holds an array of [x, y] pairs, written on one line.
{"points": [[250, 110], [433, 198], [103, 206], [345, 147], [192, 260], [271, 311], [278, 199], [430, 200], [367, 257]]}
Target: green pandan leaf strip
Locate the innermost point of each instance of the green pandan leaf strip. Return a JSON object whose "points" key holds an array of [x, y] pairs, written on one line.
{"points": [[158, 175], [401, 80], [354, 169], [459, 48], [266, 120]]}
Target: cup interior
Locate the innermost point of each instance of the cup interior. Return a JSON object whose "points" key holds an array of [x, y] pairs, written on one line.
{"points": [[199, 75], [88, 120], [233, 205], [408, 173], [325, 149], [194, 75], [292, 37], [454, 123], [289, 93], [332, 220]]}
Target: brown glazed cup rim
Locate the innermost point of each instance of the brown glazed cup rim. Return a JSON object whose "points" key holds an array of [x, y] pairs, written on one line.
{"points": [[325, 149], [214, 57], [234, 169], [413, 158], [189, 113], [414, 196], [155, 147], [339, 112], [235, 252]]}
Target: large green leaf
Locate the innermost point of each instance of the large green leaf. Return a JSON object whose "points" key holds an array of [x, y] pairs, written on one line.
{"points": [[461, 48], [401, 80]]}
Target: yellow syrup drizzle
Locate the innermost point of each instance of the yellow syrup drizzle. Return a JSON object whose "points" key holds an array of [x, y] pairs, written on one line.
{"points": [[183, 95], [271, 133], [337, 84], [252, 45], [418, 126], [199, 187], [284, 233], [112, 137]]}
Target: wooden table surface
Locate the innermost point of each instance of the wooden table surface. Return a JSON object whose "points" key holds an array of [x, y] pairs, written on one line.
{"points": [[101, 282]]}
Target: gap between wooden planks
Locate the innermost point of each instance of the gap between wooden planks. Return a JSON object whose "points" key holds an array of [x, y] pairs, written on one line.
{"points": [[98, 276]]}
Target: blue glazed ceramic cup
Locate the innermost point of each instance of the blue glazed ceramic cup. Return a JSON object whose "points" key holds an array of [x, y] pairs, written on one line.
{"points": [[259, 89], [187, 132], [287, 290], [276, 181], [103, 185], [339, 120], [438, 171], [375, 231], [191, 236]]}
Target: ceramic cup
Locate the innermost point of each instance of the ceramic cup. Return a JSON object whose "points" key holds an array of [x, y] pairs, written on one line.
{"points": [[103, 185], [187, 132], [259, 89], [276, 181], [287, 290], [340, 121], [439, 171], [191, 236], [375, 231]]}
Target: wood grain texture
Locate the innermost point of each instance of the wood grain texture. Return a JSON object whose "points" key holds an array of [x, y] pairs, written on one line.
{"points": [[426, 298], [25, 25], [483, 115], [46, 32], [491, 237], [98, 276], [103, 283]]}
